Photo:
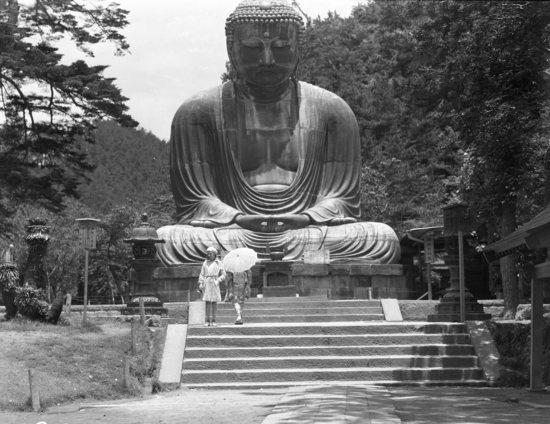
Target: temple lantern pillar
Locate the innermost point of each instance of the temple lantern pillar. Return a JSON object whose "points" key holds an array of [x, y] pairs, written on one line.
{"points": [[143, 240], [457, 304]]}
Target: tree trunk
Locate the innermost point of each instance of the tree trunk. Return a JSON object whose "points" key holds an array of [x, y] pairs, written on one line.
{"points": [[508, 264], [118, 281], [56, 308]]}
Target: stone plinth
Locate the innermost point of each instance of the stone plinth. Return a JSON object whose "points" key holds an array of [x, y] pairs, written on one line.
{"points": [[350, 280], [334, 281], [448, 309], [277, 279], [151, 303], [177, 284]]}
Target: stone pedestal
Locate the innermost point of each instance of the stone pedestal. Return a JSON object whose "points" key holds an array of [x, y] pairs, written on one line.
{"points": [[332, 281], [197, 312], [178, 284], [353, 280], [448, 309], [142, 276], [277, 279]]}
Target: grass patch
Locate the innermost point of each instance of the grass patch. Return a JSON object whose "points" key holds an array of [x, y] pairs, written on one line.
{"points": [[74, 361]]}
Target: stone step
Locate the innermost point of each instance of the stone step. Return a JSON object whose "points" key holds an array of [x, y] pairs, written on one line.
{"points": [[335, 328], [286, 376], [327, 340], [278, 384], [299, 302], [280, 291], [303, 351], [298, 318], [292, 341], [252, 311], [319, 362]]}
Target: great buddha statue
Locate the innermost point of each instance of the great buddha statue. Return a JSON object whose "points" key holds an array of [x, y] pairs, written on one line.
{"points": [[265, 161]]}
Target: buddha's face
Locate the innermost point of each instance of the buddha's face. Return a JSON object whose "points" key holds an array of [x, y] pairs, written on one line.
{"points": [[265, 54]]}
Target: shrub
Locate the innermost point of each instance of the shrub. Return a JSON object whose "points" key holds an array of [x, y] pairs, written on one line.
{"points": [[30, 303], [513, 343]]}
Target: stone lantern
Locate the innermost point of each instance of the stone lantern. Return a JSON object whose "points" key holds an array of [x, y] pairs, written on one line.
{"points": [[457, 304], [143, 240]]}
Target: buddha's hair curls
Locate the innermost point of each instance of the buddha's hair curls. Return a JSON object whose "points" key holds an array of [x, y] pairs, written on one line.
{"points": [[263, 11]]}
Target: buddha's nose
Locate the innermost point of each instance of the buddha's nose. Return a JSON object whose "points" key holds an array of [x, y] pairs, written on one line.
{"points": [[267, 57]]}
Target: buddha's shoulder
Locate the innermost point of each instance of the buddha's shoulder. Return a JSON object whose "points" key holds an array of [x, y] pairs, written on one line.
{"points": [[323, 98], [200, 103]]}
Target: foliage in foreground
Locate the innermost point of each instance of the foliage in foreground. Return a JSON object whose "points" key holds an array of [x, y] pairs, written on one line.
{"points": [[513, 343]]}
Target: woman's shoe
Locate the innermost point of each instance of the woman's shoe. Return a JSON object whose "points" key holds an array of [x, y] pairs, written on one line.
{"points": [[207, 324], [239, 321], [214, 324]]}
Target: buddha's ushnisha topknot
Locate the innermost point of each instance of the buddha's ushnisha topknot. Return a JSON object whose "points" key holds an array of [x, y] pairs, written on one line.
{"points": [[263, 11]]}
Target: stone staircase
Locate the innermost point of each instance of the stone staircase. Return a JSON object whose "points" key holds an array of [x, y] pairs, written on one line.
{"points": [[303, 341], [302, 310]]}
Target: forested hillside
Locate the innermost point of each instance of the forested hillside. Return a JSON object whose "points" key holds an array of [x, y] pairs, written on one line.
{"points": [[131, 168], [452, 103], [439, 89]]}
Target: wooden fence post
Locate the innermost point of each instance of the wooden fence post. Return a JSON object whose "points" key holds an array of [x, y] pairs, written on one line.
{"points": [[35, 394], [134, 337], [126, 373], [141, 311], [68, 302]]}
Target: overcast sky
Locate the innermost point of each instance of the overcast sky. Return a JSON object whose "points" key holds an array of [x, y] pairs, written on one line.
{"points": [[177, 49]]}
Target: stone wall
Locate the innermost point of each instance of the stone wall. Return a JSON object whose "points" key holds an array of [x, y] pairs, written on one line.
{"points": [[351, 281], [334, 281]]}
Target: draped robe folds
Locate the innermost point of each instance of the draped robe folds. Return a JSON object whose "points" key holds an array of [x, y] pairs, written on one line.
{"points": [[208, 182]]}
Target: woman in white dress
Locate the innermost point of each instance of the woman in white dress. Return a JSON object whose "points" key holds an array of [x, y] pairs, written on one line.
{"points": [[212, 274]]}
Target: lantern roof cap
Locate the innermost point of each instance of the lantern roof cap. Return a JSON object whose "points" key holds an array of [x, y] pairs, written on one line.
{"points": [[88, 222], [144, 232]]}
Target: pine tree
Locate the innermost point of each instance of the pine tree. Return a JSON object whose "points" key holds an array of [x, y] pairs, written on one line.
{"points": [[49, 109]]}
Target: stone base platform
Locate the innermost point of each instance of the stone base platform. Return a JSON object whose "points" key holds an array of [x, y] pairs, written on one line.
{"points": [[448, 309], [277, 278]]}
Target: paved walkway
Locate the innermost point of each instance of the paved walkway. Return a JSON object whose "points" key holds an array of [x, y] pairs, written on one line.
{"points": [[347, 404]]}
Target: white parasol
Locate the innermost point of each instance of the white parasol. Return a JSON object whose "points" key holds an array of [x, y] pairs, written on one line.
{"points": [[239, 260]]}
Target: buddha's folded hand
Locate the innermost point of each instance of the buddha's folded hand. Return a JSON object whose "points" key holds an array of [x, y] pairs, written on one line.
{"points": [[272, 223], [342, 221], [204, 223]]}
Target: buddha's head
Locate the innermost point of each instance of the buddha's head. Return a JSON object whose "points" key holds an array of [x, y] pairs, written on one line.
{"points": [[263, 41]]}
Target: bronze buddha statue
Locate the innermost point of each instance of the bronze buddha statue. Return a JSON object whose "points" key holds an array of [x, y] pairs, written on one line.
{"points": [[266, 161]]}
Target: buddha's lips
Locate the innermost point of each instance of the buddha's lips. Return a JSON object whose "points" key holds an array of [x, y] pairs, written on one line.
{"points": [[268, 70]]}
